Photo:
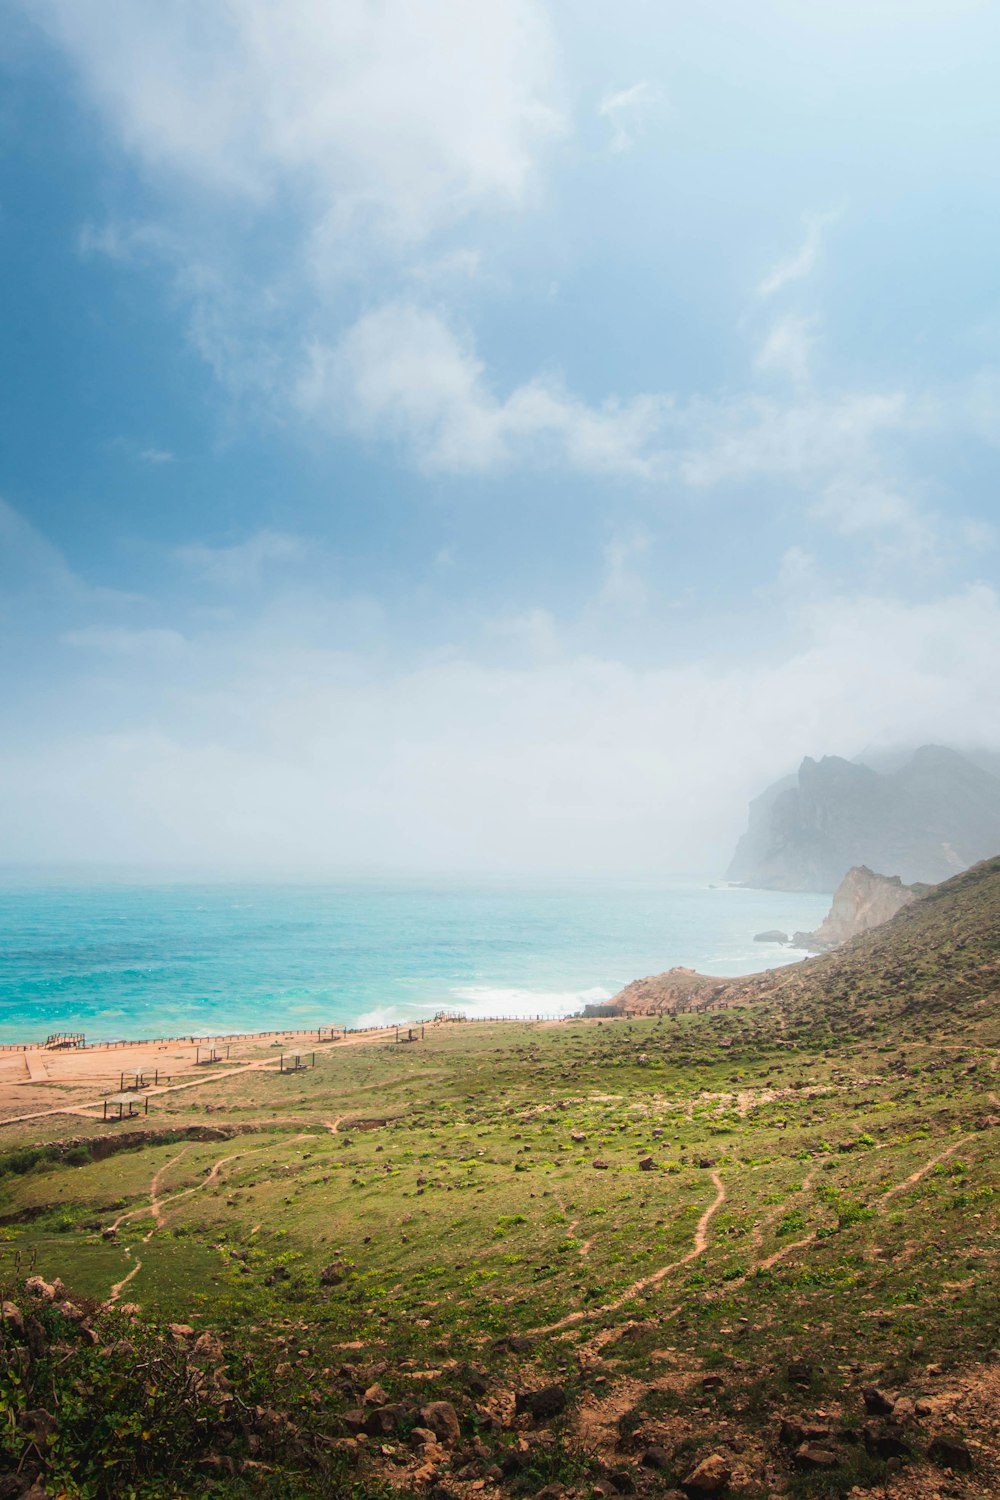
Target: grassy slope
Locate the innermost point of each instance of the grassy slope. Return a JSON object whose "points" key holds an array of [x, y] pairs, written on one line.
{"points": [[835, 1107]]}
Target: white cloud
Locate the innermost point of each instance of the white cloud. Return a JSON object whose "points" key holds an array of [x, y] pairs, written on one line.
{"points": [[801, 439], [623, 109], [156, 456], [802, 262], [624, 587], [242, 563], [563, 761], [787, 350], [402, 374], [117, 641], [395, 115]]}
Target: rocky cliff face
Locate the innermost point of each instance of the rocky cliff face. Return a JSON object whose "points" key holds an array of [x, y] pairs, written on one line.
{"points": [[934, 816], [862, 900]]}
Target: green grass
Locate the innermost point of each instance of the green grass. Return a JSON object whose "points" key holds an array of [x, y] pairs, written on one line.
{"points": [[461, 1210]]}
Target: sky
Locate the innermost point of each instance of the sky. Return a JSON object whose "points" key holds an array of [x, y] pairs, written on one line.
{"points": [[496, 437]]}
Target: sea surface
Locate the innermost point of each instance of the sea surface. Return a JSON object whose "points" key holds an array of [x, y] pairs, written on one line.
{"points": [[137, 959]]}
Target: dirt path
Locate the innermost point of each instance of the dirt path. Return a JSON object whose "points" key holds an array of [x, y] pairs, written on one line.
{"points": [[154, 1190], [928, 1166], [120, 1286], [698, 1247]]}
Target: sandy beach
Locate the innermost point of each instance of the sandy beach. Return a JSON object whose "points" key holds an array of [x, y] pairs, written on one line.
{"points": [[37, 1083]]}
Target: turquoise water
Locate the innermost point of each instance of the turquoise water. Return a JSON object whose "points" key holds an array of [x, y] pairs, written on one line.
{"points": [[139, 960]]}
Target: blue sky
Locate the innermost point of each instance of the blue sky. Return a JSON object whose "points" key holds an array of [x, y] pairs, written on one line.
{"points": [[496, 437]]}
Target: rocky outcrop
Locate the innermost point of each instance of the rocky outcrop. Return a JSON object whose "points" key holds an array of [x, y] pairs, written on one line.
{"points": [[671, 993], [924, 821], [862, 900]]}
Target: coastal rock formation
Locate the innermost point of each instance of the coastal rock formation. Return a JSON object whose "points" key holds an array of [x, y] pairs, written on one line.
{"points": [[871, 963], [670, 993], [862, 900], [925, 821]]}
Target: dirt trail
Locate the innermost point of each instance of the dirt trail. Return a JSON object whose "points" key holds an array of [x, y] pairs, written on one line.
{"points": [[698, 1247], [154, 1190], [928, 1166], [120, 1286], [157, 1204]]}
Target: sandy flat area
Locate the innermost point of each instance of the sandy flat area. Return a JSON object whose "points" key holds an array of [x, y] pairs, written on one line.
{"points": [[43, 1081]]}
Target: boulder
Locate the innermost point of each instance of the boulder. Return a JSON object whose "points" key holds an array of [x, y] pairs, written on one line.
{"points": [[812, 1456], [13, 1317], [442, 1419], [39, 1288], [542, 1404], [38, 1424], [950, 1454], [878, 1403], [647, 1164], [599, 1165], [385, 1420], [710, 1477], [795, 1431], [655, 1457]]}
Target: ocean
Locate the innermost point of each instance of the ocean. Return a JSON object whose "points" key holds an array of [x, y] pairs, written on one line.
{"points": [[134, 959]]}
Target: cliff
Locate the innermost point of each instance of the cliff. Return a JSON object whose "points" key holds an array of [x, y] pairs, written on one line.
{"points": [[940, 953], [933, 816], [862, 900]]}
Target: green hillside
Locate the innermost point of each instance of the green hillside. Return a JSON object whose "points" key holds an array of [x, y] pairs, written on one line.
{"points": [[762, 1240]]}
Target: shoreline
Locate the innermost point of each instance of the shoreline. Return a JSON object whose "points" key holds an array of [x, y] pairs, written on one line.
{"points": [[318, 1034]]}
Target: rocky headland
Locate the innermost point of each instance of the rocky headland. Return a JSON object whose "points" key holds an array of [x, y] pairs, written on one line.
{"points": [[936, 814], [862, 900]]}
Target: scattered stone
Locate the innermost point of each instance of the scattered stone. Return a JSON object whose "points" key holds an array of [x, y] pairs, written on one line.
{"points": [[383, 1421], [13, 1317], [885, 1440], [38, 1424], [713, 1383], [442, 1419], [812, 1456], [599, 1165], [542, 1404], [710, 1477], [375, 1395], [39, 1288], [655, 1457], [950, 1454], [181, 1330], [878, 1403], [515, 1343], [800, 1371], [794, 1432], [647, 1164]]}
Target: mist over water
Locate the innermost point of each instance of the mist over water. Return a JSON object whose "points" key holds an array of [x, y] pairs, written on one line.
{"points": [[116, 960]]}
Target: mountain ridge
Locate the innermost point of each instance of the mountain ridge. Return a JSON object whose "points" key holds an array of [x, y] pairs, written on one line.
{"points": [[933, 816]]}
